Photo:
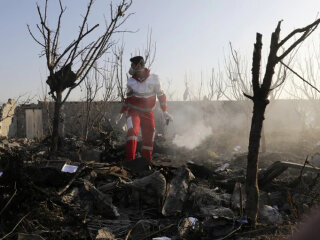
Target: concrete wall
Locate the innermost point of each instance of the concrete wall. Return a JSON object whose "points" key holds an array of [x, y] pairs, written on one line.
{"points": [[191, 119], [8, 123]]}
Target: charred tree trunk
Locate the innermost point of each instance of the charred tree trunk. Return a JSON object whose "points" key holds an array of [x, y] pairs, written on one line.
{"points": [[259, 108], [56, 122], [260, 102], [263, 141]]}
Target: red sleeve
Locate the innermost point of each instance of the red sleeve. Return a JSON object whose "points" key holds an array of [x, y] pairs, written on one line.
{"points": [[163, 102]]}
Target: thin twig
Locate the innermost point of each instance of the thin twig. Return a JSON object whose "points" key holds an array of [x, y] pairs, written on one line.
{"points": [[15, 192], [292, 207], [304, 165], [8, 234], [129, 233]]}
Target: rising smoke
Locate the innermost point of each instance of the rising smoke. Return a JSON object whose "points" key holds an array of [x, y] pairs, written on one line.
{"points": [[224, 125], [193, 135]]}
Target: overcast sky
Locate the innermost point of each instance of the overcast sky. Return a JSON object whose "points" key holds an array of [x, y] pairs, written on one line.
{"points": [[191, 35]]}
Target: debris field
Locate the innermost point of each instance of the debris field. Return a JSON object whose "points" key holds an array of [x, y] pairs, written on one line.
{"points": [[85, 191]]}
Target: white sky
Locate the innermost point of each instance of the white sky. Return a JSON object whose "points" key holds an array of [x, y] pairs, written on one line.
{"points": [[191, 35]]}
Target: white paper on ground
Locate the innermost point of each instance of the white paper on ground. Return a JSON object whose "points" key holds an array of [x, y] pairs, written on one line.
{"points": [[1, 173], [69, 168], [192, 220], [223, 167], [161, 238]]}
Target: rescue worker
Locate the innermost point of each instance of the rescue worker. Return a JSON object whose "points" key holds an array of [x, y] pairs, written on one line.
{"points": [[142, 89]]}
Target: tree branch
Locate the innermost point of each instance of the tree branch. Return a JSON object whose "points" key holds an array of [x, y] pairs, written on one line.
{"points": [[299, 30], [300, 77]]}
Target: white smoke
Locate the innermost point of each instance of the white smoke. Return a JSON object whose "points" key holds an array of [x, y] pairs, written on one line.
{"points": [[193, 135]]}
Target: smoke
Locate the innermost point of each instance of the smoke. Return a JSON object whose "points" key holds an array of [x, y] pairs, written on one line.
{"points": [[193, 135], [224, 126], [191, 124], [194, 122]]}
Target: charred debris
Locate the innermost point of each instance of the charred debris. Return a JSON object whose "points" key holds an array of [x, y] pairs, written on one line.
{"points": [[85, 192]]}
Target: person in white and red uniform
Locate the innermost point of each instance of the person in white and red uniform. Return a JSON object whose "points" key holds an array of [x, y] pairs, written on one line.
{"points": [[142, 89]]}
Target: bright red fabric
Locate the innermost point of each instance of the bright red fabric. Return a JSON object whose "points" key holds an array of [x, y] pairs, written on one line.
{"points": [[146, 121], [143, 103]]}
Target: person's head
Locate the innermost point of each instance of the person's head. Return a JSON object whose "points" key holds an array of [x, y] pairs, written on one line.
{"points": [[137, 65]]}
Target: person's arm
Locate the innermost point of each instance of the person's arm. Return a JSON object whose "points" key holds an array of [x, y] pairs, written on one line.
{"points": [[163, 101], [161, 96]]}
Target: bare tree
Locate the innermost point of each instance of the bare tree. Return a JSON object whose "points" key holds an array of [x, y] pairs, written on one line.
{"points": [[110, 79], [209, 88], [149, 54], [92, 85], [149, 51], [200, 87], [308, 68], [238, 76], [216, 85], [237, 72], [236, 69], [169, 90], [120, 75], [100, 84], [70, 66], [260, 101]]}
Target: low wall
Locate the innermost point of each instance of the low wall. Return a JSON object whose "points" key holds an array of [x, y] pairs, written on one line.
{"points": [[8, 123], [193, 121]]}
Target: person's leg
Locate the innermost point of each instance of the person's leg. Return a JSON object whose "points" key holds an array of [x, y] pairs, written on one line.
{"points": [[133, 127], [148, 133]]}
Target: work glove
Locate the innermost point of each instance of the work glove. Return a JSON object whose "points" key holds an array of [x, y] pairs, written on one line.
{"points": [[118, 118], [167, 117]]}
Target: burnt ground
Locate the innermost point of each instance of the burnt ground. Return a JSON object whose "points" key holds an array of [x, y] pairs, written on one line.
{"points": [[186, 194]]}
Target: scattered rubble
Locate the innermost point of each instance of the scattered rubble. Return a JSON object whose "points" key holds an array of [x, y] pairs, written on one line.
{"points": [[105, 234], [219, 222], [189, 228], [177, 192], [87, 192], [270, 215]]}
